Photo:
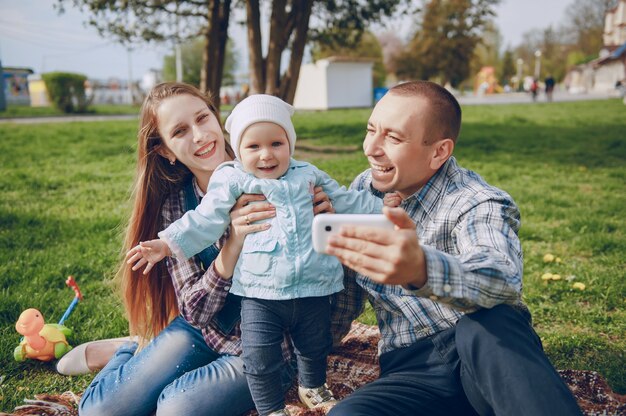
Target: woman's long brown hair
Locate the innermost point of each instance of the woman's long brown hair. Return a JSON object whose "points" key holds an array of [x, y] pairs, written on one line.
{"points": [[150, 300]]}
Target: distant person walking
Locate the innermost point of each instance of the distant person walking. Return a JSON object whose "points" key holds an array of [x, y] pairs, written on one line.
{"points": [[549, 87], [534, 89], [620, 86]]}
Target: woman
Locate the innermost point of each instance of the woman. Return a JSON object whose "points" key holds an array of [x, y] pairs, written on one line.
{"points": [[183, 369]]}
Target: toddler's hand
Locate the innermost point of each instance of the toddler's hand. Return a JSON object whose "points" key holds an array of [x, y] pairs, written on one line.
{"points": [[392, 199], [148, 253]]}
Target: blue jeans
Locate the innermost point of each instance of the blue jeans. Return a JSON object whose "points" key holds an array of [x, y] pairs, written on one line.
{"points": [[263, 327], [176, 374], [491, 363]]}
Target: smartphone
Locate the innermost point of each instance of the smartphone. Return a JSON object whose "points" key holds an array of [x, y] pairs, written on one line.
{"points": [[325, 225]]}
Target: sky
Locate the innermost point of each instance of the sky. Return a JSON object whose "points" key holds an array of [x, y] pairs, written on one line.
{"points": [[34, 35]]}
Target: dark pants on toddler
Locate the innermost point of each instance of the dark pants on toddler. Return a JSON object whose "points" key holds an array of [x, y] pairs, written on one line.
{"points": [[263, 327], [491, 363]]}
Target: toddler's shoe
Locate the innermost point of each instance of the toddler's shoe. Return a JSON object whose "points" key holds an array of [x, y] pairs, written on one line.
{"points": [[75, 362], [316, 396]]}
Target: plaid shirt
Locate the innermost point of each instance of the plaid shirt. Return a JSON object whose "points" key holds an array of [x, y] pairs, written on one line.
{"points": [[468, 231], [201, 294]]}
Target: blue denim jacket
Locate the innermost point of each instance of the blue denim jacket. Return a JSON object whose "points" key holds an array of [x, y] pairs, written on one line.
{"points": [[278, 263]]}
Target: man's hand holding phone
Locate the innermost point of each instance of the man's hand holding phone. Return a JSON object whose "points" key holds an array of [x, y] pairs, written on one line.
{"points": [[384, 254]]}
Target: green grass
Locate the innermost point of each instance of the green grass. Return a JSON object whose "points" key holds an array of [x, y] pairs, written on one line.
{"points": [[21, 111], [65, 187]]}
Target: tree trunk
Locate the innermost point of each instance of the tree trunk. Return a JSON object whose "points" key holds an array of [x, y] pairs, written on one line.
{"points": [[204, 72], [255, 52], [277, 44], [216, 35], [224, 19], [289, 80], [213, 47]]}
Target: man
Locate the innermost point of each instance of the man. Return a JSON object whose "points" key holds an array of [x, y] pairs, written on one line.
{"points": [[549, 87], [446, 284]]}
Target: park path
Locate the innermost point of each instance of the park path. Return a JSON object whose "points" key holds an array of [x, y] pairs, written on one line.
{"points": [[496, 99], [523, 98], [65, 119]]}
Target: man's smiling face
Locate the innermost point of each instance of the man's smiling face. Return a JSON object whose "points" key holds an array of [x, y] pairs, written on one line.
{"points": [[396, 144]]}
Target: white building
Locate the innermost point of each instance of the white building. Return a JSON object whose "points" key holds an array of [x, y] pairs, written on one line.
{"points": [[615, 26], [609, 70], [335, 82], [603, 74]]}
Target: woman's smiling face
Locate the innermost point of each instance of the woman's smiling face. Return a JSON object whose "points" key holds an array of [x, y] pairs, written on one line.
{"points": [[192, 134]]}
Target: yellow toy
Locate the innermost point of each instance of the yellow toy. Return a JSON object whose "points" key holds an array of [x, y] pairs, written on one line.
{"points": [[43, 341]]}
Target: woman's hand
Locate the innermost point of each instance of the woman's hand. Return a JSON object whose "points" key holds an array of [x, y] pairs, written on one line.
{"points": [[243, 218], [321, 202], [244, 215]]}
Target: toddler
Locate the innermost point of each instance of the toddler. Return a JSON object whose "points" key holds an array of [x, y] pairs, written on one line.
{"points": [[284, 284]]}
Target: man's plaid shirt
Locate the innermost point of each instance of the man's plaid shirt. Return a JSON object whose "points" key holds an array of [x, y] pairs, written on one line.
{"points": [[468, 231]]}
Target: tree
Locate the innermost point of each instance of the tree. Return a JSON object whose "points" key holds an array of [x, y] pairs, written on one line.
{"points": [[507, 67], [444, 44], [584, 25], [553, 52], [340, 21], [166, 20], [392, 46], [290, 29], [367, 47], [191, 55], [487, 50]]}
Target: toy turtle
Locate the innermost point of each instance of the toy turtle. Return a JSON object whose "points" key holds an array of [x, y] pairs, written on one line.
{"points": [[41, 341]]}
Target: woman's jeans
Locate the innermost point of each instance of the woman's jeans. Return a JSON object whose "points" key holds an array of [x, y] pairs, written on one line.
{"points": [[176, 374], [263, 327]]}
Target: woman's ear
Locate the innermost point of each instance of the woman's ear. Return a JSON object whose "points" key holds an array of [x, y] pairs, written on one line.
{"points": [[441, 153], [166, 153]]}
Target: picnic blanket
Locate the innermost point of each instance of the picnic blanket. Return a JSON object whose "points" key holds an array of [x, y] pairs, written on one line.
{"points": [[353, 364]]}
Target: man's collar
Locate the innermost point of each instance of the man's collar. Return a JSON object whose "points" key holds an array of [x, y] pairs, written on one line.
{"points": [[429, 195]]}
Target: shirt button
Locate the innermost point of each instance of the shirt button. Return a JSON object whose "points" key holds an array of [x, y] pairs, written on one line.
{"points": [[447, 288], [226, 288]]}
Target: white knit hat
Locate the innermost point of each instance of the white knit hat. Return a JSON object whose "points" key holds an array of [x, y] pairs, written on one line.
{"points": [[258, 108]]}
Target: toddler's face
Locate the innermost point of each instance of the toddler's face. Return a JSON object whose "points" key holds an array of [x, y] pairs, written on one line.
{"points": [[264, 150]]}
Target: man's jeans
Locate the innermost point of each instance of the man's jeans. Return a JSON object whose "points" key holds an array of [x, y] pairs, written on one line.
{"points": [[176, 374], [263, 327], [491, 363]]}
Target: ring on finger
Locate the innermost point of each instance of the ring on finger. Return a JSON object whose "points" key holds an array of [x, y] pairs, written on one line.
{"points": [[247, 220]]}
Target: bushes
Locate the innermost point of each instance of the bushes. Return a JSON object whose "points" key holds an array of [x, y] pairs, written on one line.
{"points": [[66, 91]]}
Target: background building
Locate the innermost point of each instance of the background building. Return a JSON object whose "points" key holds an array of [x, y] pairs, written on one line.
{"points": [[335, 82], [15, 81], [609, 69]]}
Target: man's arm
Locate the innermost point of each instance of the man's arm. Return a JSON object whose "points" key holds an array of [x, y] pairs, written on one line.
{"points": [[385, 256], [487, 270]]}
